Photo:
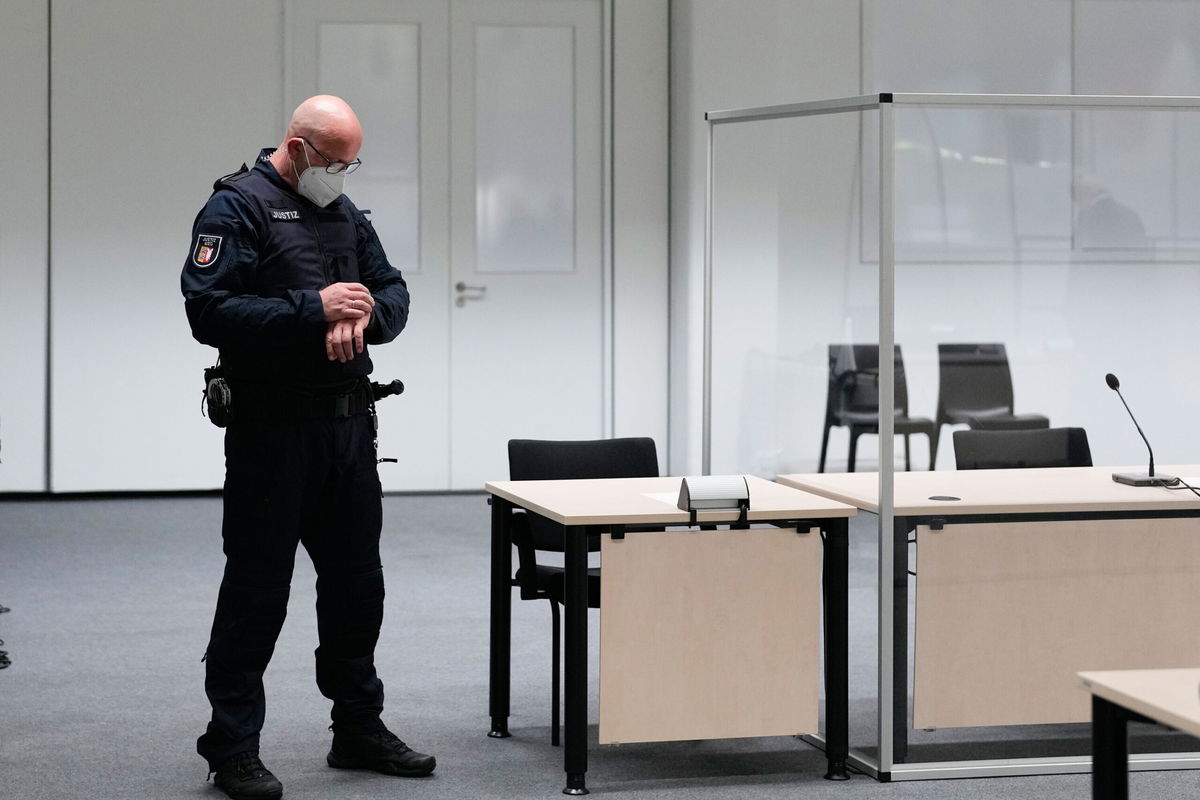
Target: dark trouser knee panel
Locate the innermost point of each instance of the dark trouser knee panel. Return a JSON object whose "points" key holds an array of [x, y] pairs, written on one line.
{"points": [[245, 627], [349, 616]]}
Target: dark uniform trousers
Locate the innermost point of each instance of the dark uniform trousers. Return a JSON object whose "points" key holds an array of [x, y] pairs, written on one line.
{"points": [[313, 482]]}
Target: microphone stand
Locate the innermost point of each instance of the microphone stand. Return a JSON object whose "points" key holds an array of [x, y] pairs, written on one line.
{"points": [[1138, 478]]}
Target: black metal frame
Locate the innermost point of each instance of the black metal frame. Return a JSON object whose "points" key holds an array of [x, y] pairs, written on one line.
{"points": [[902, 527], [835, 565], [1110, 748]]}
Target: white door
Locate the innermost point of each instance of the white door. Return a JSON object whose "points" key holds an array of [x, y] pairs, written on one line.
{"points": [[525, 163], [482, 168]]}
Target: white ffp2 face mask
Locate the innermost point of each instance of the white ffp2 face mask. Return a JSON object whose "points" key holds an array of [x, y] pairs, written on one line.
{"points": [[319, 185]]}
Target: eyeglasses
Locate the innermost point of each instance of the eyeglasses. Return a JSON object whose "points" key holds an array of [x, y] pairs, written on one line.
{"points": [[333, 166]]}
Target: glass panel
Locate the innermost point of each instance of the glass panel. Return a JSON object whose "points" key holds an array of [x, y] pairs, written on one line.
{"points": [[788, 282], [524, 149], [1085, 268], [1077, 247], [1157, 43], [375, 67], [977, 185], [1124, 182], [790, 293], [1007, 186], [955, 176], [958, 172], [998, 260]]}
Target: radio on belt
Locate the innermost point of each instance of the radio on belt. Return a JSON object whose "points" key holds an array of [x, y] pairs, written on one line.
{"points": [[713, 493]]}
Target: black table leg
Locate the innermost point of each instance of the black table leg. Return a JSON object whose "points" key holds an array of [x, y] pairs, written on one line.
{"points": [[1110, 751], [575, 659], [900, 531], [501, 618], [835, 580]]}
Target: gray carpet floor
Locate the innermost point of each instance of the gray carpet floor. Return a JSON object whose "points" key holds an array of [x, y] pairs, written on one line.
{"points": [[112, 600]]}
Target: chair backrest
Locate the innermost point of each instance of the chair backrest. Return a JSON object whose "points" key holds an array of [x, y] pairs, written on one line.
{"points": [[854, 380], [540, 460], [1041, 447], [974, 377]]}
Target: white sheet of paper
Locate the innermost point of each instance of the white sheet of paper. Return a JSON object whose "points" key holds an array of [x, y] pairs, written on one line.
{"points": [[670, 498]]}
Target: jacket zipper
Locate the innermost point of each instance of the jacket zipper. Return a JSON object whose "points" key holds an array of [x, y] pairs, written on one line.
{"points": [[316, 228]]}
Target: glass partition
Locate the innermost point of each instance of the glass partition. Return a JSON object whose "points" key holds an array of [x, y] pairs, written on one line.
{"points": [[1070, 237], [794, 328], [1066, 237], [1013, 250], [785, 228]]}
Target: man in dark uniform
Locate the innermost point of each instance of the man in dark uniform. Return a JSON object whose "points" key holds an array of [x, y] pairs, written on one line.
{"points": [[288, 279]]}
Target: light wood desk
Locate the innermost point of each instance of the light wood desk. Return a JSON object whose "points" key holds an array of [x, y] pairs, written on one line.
{"points": [[688, 573], [1168, 696], [1024, 578]]}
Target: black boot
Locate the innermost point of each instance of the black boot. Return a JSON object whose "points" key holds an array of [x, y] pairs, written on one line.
{"points": [[243, 777], [381, 751]]}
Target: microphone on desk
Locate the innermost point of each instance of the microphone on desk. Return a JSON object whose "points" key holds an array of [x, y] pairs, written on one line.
{"points": [[1137, 478]]}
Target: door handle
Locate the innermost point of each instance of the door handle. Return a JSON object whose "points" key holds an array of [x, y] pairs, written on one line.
{"points": [[466, 293]]}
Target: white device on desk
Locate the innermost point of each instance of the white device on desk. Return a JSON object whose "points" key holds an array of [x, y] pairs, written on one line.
{"points": [[715, 492]]}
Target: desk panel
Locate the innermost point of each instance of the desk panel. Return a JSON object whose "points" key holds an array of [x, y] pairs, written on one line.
{"points": [[979, 646], [710, 635], [1007, 613]]}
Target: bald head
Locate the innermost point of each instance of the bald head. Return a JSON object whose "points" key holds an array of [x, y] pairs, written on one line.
{"points": [[326, 119], [329, 125]]}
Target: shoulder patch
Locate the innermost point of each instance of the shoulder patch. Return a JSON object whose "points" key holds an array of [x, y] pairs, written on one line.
{"points": [[206, 250]]}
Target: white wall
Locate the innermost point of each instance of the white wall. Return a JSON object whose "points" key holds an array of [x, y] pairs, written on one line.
{"points": [[730, 55], [23, 285], [640, 219], [1067, 321], [152, 102], [139, 132]]}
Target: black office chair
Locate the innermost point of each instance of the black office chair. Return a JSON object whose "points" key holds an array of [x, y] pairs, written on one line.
{"points": [[975, 389], [852, 400], [1040, 447], [536, 460]]}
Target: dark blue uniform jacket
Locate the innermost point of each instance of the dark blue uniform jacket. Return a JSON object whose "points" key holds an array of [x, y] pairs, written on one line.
{"points": [[260, 255]]}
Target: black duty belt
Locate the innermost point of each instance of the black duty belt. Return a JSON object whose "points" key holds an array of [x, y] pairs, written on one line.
{"points": [[252, 402]]}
